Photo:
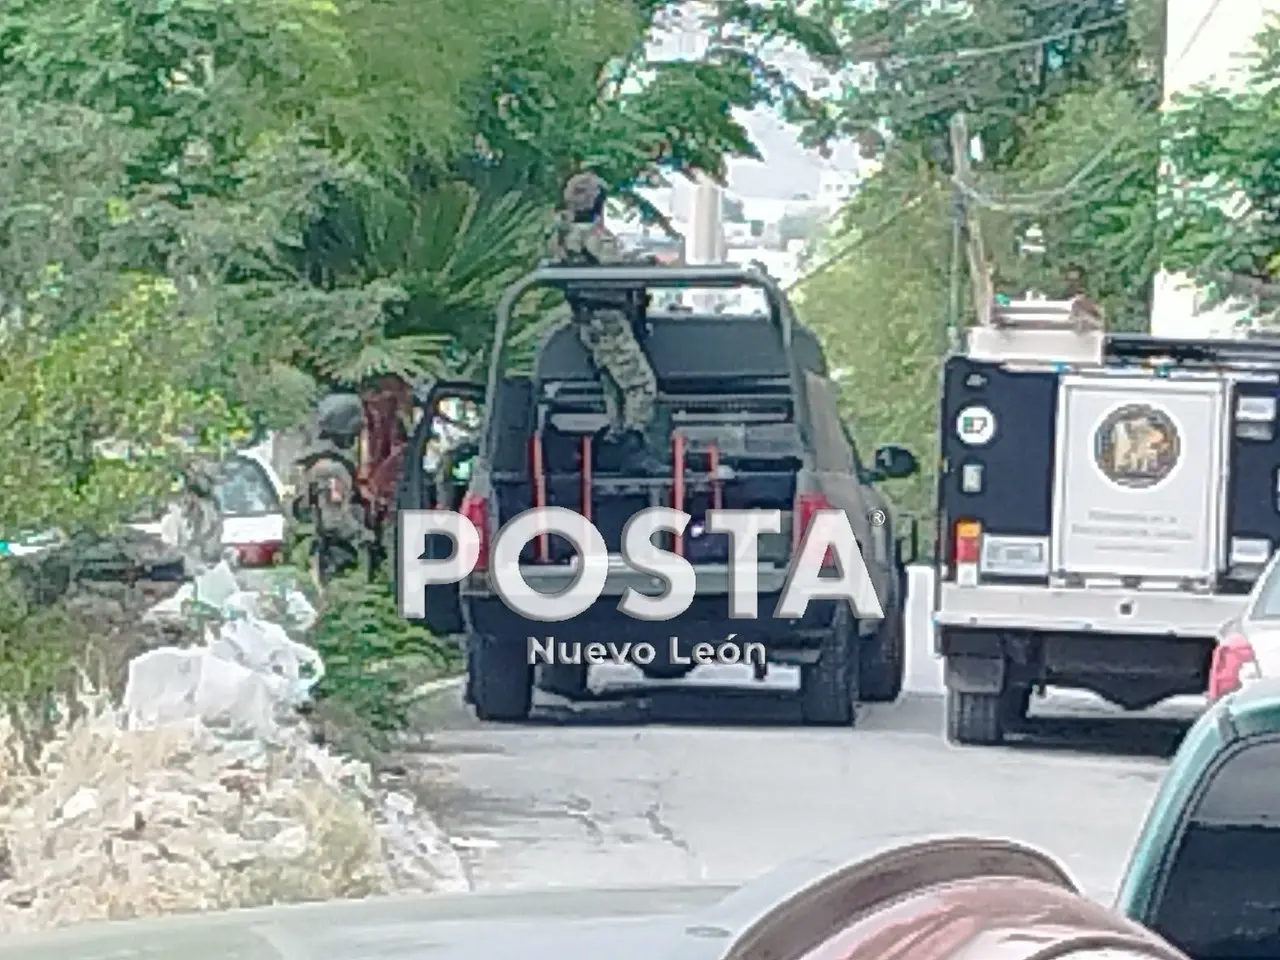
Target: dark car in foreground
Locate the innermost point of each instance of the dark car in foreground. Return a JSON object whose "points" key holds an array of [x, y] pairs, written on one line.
{"points": [[1205, 871]]}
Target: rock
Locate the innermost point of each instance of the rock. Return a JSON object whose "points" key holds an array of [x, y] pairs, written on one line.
{"points": [[264, 827], [83, 801], [289, 844]]}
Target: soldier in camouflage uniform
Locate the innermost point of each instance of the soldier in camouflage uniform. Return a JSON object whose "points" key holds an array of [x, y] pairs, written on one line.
{"points": [[199, 534], [329, 500], [579, 238]]}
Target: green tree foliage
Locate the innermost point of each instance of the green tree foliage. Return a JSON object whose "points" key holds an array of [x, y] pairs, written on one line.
{"points": [[1059, 100], [566, 86], [1046, 89], [878, 301], [373, 660], [1090, 173], [212, 207], [1001, 61], [1220, 216]]}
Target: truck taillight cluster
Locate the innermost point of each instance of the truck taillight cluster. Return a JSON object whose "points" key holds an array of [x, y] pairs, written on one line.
{"points": [[476, 510], [805, 508], [966, 551]]}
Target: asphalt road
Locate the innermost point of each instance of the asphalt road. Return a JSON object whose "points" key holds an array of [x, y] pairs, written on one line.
{"points": [[713, 779]]}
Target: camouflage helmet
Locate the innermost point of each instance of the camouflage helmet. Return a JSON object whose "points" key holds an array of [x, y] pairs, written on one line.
{"points": [[339, 417], [583, 192]]}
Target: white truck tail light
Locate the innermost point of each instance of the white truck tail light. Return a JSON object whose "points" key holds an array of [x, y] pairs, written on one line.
{"points": [[1246, 552], [971, 478], [1233, 665], [968, 551]]}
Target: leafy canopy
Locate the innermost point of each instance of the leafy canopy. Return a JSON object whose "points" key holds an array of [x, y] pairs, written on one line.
{"points": [[215, 209]]}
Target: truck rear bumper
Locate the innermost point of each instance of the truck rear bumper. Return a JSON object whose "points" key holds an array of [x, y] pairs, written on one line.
{"points": [[1098, 610], [706, 620]]}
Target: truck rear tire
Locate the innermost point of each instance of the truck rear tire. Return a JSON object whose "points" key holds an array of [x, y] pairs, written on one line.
{"points": [[568, 680], [829, 687], [501, 680], [469, 674], [1017, 706], [883, 656], [975, 719]]}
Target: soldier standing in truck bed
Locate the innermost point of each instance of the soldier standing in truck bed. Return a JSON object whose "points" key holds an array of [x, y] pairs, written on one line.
{"points": [[579, 238]]}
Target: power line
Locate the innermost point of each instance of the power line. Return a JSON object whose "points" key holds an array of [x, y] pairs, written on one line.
{"points": [[855, 245], [970, 53], [975, 53], [1013, 203], [875, 54]]}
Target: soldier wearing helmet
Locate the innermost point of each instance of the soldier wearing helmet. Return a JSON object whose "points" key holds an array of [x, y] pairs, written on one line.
{"points": [[630, 387], [329, 500]]}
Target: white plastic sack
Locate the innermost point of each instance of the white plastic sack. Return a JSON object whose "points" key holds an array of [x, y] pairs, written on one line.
{"points": [[291, 669], [296, 608], [218, 588], [213, 587], [170, 685], [248, 675], [216, 585]]}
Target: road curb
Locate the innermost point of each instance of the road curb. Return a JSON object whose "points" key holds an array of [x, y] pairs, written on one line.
{"points": [[432, 687]]}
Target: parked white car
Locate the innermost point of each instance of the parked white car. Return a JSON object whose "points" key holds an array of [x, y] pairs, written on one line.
{"points": [[251, 497]]}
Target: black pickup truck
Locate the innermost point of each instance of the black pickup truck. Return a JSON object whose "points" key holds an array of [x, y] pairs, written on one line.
{"points": [[753, 424]]}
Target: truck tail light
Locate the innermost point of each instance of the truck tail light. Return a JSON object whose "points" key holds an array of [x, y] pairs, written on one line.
{"points": [[805, 509], [476, 510], [967, 548], [1233, 665]]}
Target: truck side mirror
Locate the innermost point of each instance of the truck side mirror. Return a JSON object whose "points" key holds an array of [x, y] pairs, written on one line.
{"points": [[895, 463]]}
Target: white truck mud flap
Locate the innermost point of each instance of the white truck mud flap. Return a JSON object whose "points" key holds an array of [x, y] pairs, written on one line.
{"points": [[1140, 478]]}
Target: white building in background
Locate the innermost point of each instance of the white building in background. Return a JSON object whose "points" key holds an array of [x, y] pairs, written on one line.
{"points": [[1204, 41], [835, 186]]}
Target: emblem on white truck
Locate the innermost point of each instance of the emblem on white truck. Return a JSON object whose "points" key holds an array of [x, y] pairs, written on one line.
{"points": [[1137, 446]]}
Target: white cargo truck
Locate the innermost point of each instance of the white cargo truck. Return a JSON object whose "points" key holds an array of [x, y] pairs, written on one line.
{"points": [[1105, 501]]}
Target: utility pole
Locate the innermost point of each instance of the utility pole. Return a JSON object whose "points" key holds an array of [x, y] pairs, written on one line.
{"points": [[967, 222], [955, 306]]}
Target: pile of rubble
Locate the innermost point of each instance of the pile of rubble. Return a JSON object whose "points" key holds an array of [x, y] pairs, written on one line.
{"points": [[204, 790]]}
